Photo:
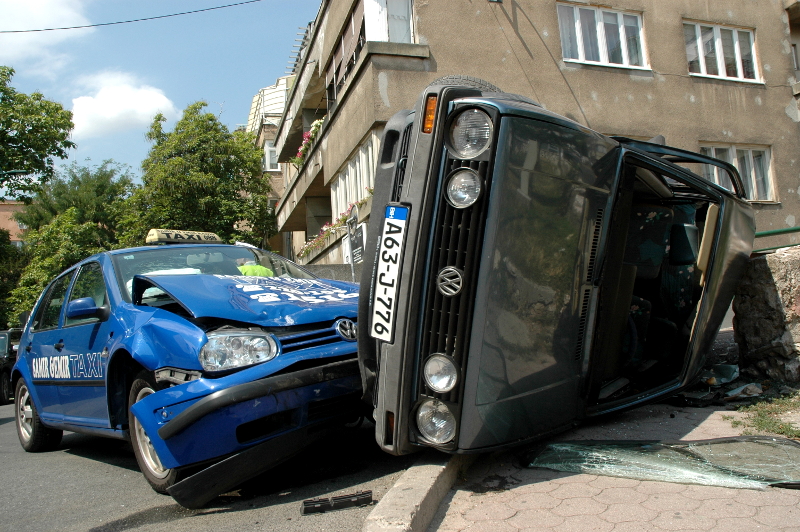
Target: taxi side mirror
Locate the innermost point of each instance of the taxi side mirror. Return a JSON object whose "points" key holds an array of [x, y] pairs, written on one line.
{"points": [[85, 307]]}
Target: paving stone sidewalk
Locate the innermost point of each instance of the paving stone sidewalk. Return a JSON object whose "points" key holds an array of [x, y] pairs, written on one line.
{"points": [[500, 495]]}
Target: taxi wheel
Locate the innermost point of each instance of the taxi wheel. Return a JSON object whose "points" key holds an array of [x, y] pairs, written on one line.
{"points": [[159, 477], [33, 435]]}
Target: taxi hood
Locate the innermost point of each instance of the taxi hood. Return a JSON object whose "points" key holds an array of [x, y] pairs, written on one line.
{"points": [[265, 301]]}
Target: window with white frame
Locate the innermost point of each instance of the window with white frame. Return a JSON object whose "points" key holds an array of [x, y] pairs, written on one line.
{"points": [[357, 176], [602, 36], [752, 163], [270, 157], [719, 51]]}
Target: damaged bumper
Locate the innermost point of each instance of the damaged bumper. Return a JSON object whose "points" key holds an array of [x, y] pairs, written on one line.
{"points": [[187, 426]]}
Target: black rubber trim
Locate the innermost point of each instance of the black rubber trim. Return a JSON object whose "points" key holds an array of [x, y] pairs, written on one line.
{"points": [[253, 390], [66, 382]]}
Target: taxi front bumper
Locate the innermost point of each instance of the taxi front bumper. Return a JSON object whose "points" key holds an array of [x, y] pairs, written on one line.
{"points": [[237, 418]]}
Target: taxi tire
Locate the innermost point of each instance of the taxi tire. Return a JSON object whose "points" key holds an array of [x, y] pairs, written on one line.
{"points": [[143, 382], [41, 438]]}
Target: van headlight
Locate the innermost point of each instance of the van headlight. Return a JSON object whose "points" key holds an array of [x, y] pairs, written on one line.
{"points": [[436, 422], [440, 373], [463, 188], [470, 133], [230, 350]]}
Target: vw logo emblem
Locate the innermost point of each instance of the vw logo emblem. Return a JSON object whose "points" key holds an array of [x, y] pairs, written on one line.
{"points": [[450, 281], [347, 329]]}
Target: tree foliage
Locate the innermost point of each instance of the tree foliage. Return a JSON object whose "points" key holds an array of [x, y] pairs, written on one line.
{"points": [[53, 248], [33, 131], [94, 192], [199, 177], [12, 262]]}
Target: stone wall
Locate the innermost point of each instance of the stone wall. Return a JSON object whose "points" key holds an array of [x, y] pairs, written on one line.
{"points": [[767, 317]]}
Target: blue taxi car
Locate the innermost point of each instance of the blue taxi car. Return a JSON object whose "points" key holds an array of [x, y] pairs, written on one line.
{"points": [[216, 361]]}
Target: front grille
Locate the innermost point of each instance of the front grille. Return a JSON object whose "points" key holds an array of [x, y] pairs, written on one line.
{"points": [[263, 427], [597, 229], [402, 160], [294, 341], [584, 316], [343, 405], [456, 239]]}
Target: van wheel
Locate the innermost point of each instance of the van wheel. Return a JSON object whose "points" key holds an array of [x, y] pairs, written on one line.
{"points": [[32, 433], [159, 477], [5, 388]]}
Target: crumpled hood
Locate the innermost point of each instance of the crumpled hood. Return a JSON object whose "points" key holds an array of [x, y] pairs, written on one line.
{"points": [[266, 301]]}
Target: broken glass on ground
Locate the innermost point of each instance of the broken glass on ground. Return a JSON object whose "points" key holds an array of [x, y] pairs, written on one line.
{"points": [[753, 462]]}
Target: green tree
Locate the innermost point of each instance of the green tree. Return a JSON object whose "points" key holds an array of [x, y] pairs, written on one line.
{"points": [[199, 177], [94, 192], [12, 262], [32, 132], [53, 248]]}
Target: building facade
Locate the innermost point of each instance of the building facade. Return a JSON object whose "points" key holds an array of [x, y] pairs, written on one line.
{"points": [[711, 77], [8, 209]]}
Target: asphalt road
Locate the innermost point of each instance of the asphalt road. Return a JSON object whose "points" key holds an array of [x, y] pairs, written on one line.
{"points": [[93, 484]]}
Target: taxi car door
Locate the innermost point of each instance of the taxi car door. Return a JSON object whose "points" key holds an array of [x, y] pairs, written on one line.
{"points": [[44, 349], [83, 393]]}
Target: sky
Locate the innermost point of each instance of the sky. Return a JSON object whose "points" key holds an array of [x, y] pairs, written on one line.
{"points": [[116, 78]]}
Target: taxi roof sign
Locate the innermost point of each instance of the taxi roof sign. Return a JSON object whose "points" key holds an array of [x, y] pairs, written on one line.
{"points": [[172, 236]]}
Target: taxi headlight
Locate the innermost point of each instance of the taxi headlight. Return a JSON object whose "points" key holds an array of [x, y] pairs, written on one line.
{"points": [[463, 188], [471, 133], [229, 350], [440, 373], [436, 422]]}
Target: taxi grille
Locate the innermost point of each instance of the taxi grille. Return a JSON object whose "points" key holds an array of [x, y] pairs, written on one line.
{"points": [[457, 235], [321, 335]]}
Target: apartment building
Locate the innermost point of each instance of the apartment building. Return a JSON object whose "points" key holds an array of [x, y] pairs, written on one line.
{"points": [[712, 77], [265, 114]]}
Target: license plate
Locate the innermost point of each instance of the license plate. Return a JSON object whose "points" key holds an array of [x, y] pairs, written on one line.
{"points": [[387, 274]]}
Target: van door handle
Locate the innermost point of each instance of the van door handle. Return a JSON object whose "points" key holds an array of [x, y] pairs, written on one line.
{"points": [[59, 346]]}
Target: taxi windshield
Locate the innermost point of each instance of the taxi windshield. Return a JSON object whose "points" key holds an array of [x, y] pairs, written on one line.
{"points": [[195, 260]]}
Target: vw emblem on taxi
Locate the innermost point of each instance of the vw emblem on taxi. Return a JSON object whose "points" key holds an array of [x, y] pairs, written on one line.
{"points": [[450, 281], [347, 329]]}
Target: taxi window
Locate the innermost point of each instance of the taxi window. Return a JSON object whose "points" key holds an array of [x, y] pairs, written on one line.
{"points": [[50, 310], [89, 283]]}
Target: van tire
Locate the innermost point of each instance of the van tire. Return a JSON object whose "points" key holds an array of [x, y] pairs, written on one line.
{"points": [[467, 81]]}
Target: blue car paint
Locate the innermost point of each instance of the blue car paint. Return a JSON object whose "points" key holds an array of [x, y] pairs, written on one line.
{"points": [[193, 444], [157, 338], [266, 301]]}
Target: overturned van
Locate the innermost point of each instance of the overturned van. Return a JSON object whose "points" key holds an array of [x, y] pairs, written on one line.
{"points": [[523, 272]]}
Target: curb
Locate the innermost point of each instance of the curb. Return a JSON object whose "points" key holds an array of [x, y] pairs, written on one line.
{"points": [[410, 505]]}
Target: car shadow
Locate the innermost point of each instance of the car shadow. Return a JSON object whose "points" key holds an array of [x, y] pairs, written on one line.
{"points": [[113, 452], [341, 463], [4, 420]]}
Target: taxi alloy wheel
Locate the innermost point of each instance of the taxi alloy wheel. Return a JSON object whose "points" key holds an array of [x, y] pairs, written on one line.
{"points": [[33, 435], [159, 477]]}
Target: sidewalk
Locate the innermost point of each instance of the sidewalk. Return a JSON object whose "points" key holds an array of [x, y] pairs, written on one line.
{"points": [[499, 494]]}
